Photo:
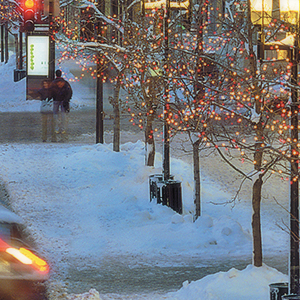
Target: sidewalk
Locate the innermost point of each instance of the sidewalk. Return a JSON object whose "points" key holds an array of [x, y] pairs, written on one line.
{"points": [[25, 127]]}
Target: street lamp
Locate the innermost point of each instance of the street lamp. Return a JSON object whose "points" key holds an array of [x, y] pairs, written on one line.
{"points": [[261, 16], [261, 12], [289, 11], [163, 3]]}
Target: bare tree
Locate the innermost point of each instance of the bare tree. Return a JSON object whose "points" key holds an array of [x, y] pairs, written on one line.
{"points": [[238, 104]]}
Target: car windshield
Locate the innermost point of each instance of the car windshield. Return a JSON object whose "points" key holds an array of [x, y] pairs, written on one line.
{"points": [[15, 235], [5, 229]]}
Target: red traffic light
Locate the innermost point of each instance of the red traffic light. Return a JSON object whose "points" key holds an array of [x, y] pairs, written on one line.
{"points": [[29, 15], [29, 20]]}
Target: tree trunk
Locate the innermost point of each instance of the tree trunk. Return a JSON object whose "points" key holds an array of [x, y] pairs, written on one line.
{"points": [[196, 163], [256, 198], [116, 107], [151, 102], [258, 156], [256, 227], [149, 141]]}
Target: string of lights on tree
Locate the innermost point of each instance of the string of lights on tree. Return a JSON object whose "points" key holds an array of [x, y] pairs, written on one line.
{"points": [[9, 13], [211, 85]]}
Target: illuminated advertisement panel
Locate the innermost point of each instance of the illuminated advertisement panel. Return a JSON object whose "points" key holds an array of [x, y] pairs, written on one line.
{"points": [[37, 55]]}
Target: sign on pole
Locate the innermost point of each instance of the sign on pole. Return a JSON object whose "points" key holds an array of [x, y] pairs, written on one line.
{"points": [[37, 62], [37, 55]]}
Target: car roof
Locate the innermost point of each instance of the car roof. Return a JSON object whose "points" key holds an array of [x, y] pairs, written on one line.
{"points": [[7, 216]]}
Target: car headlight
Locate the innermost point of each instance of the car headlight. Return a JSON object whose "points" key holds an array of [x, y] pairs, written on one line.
{"points": [[26, 257]]}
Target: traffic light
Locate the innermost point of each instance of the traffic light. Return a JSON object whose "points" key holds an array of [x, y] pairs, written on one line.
{"points": [[29, 15]]}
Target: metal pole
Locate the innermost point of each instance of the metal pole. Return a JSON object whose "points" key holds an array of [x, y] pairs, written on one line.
{"points": [[21, 50], [166, 148], [99, 104], [6, 42], [2, 43], [17, 51], [52, 42], [99, 87], [294, 188]]}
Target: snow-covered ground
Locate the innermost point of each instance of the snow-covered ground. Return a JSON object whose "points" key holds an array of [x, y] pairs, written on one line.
{"points": [[83, 202]]}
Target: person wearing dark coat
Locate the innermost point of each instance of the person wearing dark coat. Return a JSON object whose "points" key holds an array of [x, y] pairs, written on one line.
{"points": [[62, 93], [47, 111]]}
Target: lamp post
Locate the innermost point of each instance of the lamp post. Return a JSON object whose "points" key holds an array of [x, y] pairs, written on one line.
{"points": [[294, 184], [168, 5], [261, 12], [166, 148], [289, 12]]}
